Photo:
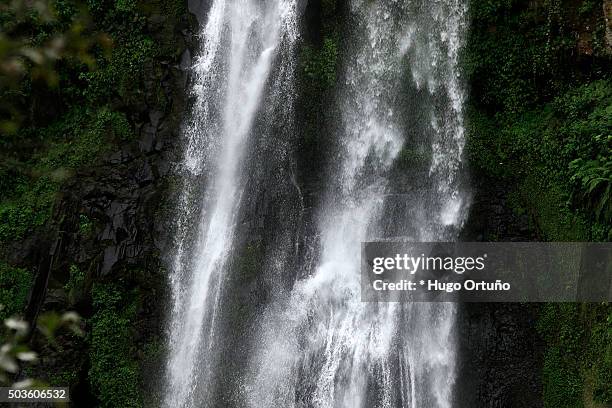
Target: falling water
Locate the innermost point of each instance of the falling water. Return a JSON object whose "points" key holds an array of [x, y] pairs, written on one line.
{"points": [[400, 98], [246, 52]]}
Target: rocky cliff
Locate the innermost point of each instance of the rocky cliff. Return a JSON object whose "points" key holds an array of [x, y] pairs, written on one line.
{"points": [[99, 251]]}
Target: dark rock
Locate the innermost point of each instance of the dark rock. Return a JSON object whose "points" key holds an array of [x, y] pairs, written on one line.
{"points": [[185, 60], [199, 8], [500, 350], [500, 356]]}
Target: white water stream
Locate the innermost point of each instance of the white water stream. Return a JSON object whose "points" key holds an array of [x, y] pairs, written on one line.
{"points": [[400, 95], [319, 345], [241, 42]]}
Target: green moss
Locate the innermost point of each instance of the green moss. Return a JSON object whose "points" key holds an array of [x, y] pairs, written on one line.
{"points": [[578, 364], [85, 225], [63, 378], [547, 205], [559, 325], [114, 374], [317, 74], [319, 64], [410, 158], [28, 208], [76, 279], [600, 350], [78, 139], [15, 286], [81, 138]]}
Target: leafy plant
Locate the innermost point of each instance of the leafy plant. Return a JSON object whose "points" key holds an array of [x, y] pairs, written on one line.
{"points": [[593, 180], [15, 353]]}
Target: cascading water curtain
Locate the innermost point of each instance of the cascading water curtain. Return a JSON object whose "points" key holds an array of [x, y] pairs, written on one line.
{"points": [[246, 47], [401, 94]]}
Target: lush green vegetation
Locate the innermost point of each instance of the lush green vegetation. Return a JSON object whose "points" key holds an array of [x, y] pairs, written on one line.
{"points": [[30, 185], [539, 122], [556, 155], [72, 120], [521, 55], [114, 373], [15, 285], [578, 360], [539, 114]]}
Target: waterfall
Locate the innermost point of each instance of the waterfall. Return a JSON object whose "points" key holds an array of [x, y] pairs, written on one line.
{"points": [[246, 52], [396, 175]]}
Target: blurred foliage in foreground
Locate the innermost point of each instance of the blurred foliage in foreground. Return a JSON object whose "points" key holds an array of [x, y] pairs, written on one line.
{"points": [[34, 37], [15, 354]]}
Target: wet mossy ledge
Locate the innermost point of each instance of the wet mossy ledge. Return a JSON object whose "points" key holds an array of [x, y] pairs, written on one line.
{"points": [[540, 150], [82, 191]]}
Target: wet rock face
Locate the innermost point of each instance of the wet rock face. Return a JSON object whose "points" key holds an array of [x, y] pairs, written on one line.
{"points": [[492, 217], [500, 351], [123, 196], [500, 356], [122, 200]]}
